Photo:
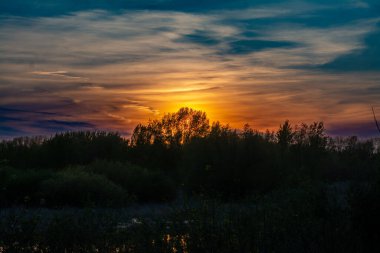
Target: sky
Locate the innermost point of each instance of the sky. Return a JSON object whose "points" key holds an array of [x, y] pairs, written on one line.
{"points": [[109, 65]]}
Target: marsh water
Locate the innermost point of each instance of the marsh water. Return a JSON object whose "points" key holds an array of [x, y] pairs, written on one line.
{"points": [[294, 221]]}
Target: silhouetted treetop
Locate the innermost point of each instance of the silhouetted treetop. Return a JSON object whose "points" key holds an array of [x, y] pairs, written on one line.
{"points": [[173, 129], [375, 119], [285, 135], [63, 149]]}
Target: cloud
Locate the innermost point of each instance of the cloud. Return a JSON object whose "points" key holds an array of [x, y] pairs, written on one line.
{"points": [[59, 73], [7, 132], [361, 59], [54, 8], [15, 110], [239, 61], [248, 46], [135, 104], [360, 4], [362, 129], [4, 119], [53, 126], [199, 37], [16, 122]]}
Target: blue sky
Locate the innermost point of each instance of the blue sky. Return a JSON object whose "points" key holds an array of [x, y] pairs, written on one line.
{"points": [[68, 65]]}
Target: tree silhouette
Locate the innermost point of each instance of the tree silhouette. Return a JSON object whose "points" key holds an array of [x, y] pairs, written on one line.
{"points": [[374, 117], [174, 129], [285, 135]]}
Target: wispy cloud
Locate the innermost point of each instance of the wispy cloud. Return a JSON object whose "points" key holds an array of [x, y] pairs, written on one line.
{"points": [[256, 63], [59, 73]]}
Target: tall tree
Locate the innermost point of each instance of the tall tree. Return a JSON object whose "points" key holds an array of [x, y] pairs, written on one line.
{"points": [[285, 135], [374, 117], [174, 129]]}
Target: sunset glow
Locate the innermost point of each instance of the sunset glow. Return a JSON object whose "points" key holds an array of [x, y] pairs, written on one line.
{"points": [[64, 67]]}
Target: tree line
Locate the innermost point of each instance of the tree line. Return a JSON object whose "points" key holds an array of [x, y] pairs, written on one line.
{"points": [[181, 153]]}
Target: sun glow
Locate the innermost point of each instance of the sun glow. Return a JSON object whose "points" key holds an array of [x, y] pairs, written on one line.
{"points": [[116, 70]]}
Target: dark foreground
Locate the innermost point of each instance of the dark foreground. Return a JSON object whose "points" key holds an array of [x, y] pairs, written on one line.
{"points": [[219, 189], [314, 218]]}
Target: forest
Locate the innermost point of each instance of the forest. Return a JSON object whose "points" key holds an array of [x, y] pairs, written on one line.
{"points": [[184, 184]]}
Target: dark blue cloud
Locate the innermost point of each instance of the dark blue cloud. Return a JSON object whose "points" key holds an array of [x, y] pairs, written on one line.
{"points": [[16, 110], [11, 126], [17, 121], [366, 59], [248, 46], [63, 123], [333, 17], [54, 126], [365, 129], [53, 7], [4, 119], [249, 34], [199, 37], [8, 131]]}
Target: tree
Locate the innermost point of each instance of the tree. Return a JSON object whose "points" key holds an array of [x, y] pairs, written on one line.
{"points": [[317, 135], [285, 135], [374, 117], [174, 129]]}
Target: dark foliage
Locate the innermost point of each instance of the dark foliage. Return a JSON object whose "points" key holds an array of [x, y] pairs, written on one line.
{"points": [[145, 185], [71, 187], [21, 187], [183, 153], [364, 201], [78, 188], [304, 219], [294, 190], [232, 164], [61, 150]]}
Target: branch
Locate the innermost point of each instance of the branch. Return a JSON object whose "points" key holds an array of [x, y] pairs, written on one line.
{"points": [[374, 117]]}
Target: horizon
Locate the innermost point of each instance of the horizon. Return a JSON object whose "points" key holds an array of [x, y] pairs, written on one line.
{"points": [[69, 66], [239, 130]]}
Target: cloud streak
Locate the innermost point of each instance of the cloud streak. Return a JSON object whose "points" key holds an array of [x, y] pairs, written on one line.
{"points": [[59, 73]]}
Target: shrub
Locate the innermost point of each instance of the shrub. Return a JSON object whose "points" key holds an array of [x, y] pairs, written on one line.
{"points": [[21, 186], [144, 184], [74, 187], [365, 209]]}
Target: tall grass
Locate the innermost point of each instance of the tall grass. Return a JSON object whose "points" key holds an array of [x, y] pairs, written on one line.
{"points": [[300, 220]]}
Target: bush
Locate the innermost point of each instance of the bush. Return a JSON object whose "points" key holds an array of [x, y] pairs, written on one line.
{"points": [[78, 188], [365, 208], [21, 186], [144, 184]]}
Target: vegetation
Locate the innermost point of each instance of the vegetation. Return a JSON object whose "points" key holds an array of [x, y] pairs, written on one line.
{"points": [[293, 190]]}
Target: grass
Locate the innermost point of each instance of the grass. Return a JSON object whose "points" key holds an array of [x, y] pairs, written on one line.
{"points": [[299, 220]]}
